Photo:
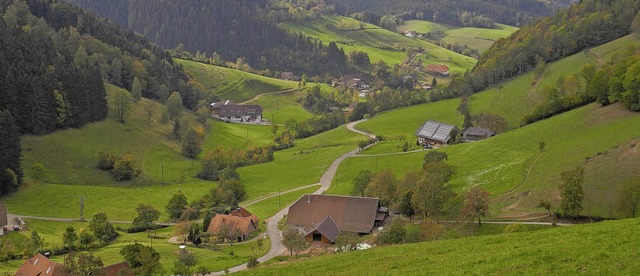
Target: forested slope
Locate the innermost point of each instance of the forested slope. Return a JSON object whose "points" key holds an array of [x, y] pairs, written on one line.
{"points": [[53, 60], [515, 13], [233, 29]]}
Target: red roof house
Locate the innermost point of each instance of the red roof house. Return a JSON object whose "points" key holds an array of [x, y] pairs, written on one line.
{"points": [[225, 226], [438, 69]]}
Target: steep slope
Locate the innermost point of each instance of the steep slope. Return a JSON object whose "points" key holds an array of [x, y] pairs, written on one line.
{"points": [[603, 248]]}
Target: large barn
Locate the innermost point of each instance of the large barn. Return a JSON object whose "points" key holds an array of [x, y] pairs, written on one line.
{"points": [[322, 217]]}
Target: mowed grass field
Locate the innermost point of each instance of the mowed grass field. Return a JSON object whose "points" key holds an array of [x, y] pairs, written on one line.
{"points": [[601, 249], [517, 174], [51, 232], [377, 42], [475, 38], [281, 107], [232, 84], [515, 98]]}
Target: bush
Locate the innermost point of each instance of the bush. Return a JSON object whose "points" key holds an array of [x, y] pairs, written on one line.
{"points": [[515, 227], [125, 168], [253, 262], [106, 160]]}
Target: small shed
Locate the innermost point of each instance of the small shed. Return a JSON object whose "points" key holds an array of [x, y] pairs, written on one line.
{"points": [[476, 133]]}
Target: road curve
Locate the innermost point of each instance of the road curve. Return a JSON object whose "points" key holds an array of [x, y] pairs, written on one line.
{"points": [[274, 233]]}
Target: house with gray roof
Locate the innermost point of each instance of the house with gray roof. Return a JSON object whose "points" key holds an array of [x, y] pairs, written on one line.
{"points": [[434, 133], [230, 111], [476, 133], [326, 231]]}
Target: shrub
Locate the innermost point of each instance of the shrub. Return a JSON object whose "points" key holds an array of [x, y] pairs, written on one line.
{"points": [[106, 160], [515, 227]]}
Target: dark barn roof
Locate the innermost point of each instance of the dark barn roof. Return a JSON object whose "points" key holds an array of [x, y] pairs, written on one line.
{"points": [[352, 214], [327, 227], [437, 131], [478, 131]]}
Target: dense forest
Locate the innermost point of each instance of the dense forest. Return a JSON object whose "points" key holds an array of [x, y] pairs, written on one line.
{"points": [[233, 29], [54, 60], [511, 12]]}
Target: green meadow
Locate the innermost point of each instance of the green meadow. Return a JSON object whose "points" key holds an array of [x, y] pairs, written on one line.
{"points": [[281, 107], [405, 121], [603, 248], [514, 170], [475, 38], [378, 43], [515, 98], [51, 232], [232, 84]]}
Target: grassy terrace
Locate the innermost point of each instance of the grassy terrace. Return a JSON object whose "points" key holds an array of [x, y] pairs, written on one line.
{"points": [[475, 38], [603, 248], [377, 42]]}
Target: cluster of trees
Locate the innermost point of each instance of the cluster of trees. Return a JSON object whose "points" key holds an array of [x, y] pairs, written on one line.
{"points": [[314, 125], [516, 13], [123, 169], [616, 81], [586, 24], [425, 192], [216, 161], [236, 29]]}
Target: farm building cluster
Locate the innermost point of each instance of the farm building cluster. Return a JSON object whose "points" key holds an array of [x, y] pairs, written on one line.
{"points": [[436, 134]]}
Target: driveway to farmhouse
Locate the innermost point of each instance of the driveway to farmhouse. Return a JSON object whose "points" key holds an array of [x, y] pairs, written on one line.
{"points": [[274, 233]]}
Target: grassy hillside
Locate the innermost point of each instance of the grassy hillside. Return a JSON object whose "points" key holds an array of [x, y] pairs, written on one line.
{"points": [[475, 38], [518, 174], [405, 121], [603, 248], [281, 107], [231, 84], [513, 99], [379, 43]]}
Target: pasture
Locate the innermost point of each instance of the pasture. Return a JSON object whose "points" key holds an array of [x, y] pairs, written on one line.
{"points": [[560, 250], [378, 43], [232, 84], [517, 173]]}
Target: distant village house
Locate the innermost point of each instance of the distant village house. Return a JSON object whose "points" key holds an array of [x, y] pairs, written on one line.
{"points": [[476, 133], [230, 111], [321, 218], [410, 34], [439, 69], [40, 265], [287, 76], [434, 133]]}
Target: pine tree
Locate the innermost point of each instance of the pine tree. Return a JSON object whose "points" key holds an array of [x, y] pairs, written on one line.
{"points": [[10, 169]]}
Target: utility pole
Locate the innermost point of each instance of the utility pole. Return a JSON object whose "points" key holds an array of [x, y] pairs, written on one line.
{"points": [[81, 208], [162, 171]]}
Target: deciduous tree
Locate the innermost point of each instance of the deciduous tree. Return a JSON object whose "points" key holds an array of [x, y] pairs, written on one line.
{"points": [[293, 240], [382, 186], [360, 182], [628, 200], [121, 105], [174, 105], [476, 204], [147, 216], [572, 192], [102, 229], [143, 260], [83, 264], [136, 89], [176, 205]]}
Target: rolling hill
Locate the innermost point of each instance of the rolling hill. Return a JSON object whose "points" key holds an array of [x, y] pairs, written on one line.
{"points": [[479, 39], [378, 43]]}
